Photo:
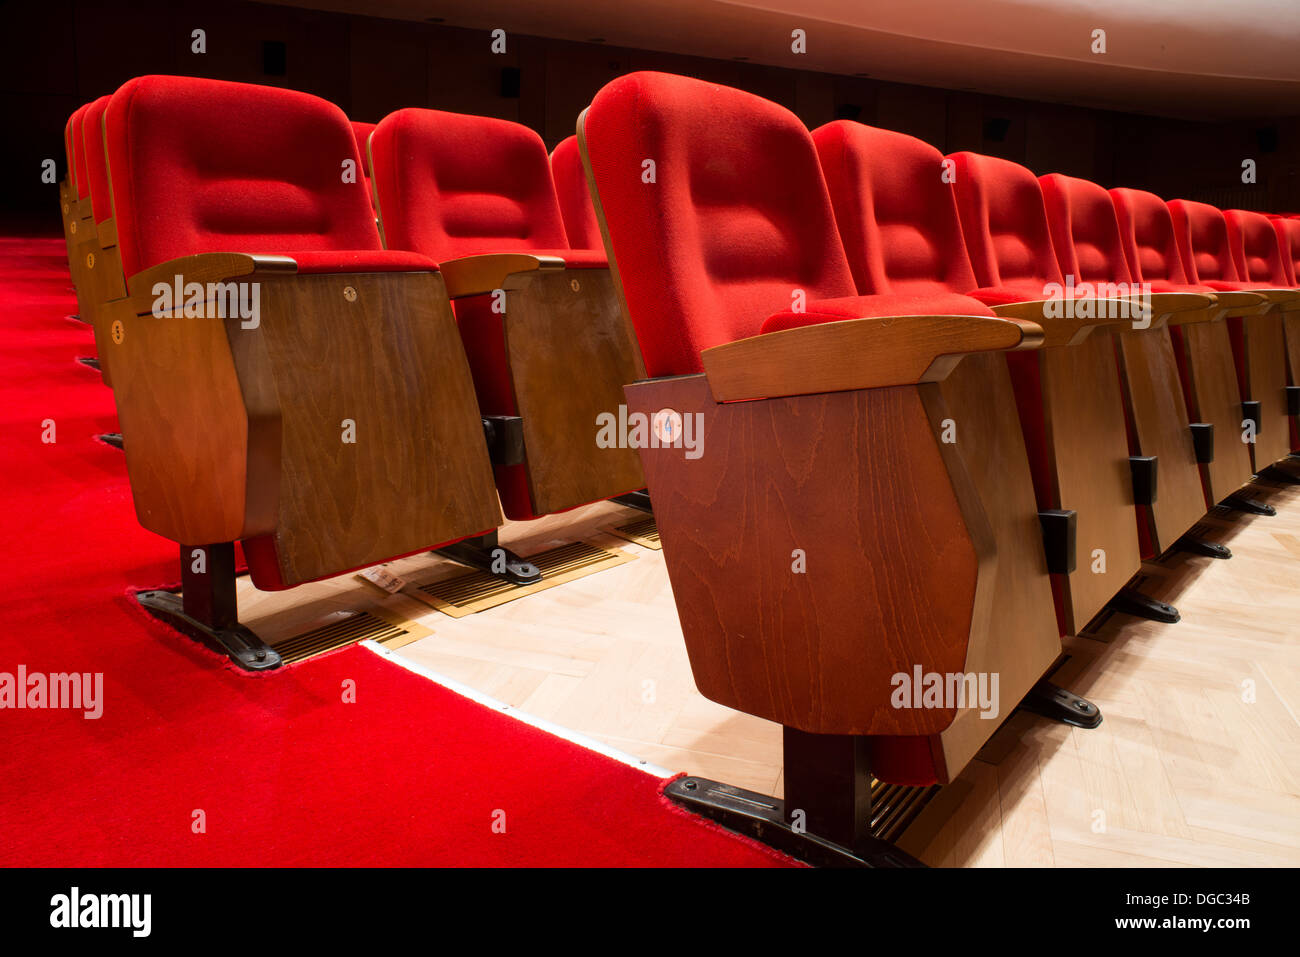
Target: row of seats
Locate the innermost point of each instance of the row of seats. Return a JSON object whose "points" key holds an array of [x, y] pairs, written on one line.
{"points": [[170, 170], [809, 295], [947, 406]]}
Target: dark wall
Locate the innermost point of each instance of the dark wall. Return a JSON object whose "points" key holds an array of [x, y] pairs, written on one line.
{"points": [[57, 54]]}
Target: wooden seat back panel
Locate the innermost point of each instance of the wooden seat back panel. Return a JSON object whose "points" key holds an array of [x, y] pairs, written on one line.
{"points": [[1084, 417], [1214, 389], [854, 482], [1265, 344], [570, 354], [417, 474], [1023, 640], [1161, 426]]}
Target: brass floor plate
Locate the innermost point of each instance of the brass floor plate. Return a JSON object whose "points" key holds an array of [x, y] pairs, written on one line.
{"points": [[478, 591], [643, 532], [347, 628]]}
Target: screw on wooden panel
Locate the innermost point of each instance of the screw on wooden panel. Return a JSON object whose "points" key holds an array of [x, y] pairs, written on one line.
{"points": [[349, 294], [574, 285], [118, 331], [74, 226]]}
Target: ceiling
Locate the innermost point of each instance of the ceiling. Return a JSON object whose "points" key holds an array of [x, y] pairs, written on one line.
{"points": [[1199, 59]]}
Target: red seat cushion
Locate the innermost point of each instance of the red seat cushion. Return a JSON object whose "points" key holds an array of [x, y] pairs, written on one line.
{"points": [[579, 212], [891, 304], [209, 166], [362, 133], [735, 226], [69, 147]]}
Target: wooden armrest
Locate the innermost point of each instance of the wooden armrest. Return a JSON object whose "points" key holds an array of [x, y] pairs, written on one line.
{"points": [[1065, 330], [1240, 304], [476, 275], [1286, 299], [1181, 308], [857, 354], [205, 268]]}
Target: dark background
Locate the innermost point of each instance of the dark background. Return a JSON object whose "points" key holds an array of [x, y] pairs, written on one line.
{"points": [[56, 55]]}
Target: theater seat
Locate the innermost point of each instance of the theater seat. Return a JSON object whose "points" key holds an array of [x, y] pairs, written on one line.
{"points": [[1258, 342], [547, 343], [1070, 398], [1089, 248], [822, 444], [331, 427], [580, 222]]}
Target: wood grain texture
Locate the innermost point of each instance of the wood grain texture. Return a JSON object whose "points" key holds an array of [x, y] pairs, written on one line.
{"points": [[1067, 330], [1265, 345], [1217, 399], [1020, 640], [856, 481], [1161, 427], [418, 473], [856, 354], [476, 275], [1084, 417], [233, 433], [570, 355]]}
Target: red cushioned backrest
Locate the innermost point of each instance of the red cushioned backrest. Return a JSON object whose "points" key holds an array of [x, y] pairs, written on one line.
{"points": [[580, 223], [1256, 251], [209, 166], [736, 222], [1202, 235], [1288, 237], [1085, 230], [101, 200], [1004, 221], [451, 185], [1147, 231], [897, 217], [79, 152], [69, 153]]}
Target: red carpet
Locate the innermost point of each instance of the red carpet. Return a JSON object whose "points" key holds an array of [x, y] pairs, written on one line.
{"points": [[283, 771]]}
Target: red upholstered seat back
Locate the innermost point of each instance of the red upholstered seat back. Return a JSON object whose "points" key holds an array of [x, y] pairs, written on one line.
{"points": [[579, 212], [1085, 230], [1202, 235], [1005, 224], [1256, 250], [101, 200], [1147, 232], [897, 218], [451, 185], [209, 166], [1288, 237], [68, 149], [717, 212], [79, 152]]}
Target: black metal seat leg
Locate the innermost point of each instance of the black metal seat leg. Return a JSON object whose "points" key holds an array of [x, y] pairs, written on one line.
{"points": [[1130, 601], [1252, 506], [207, 608], [638, 500], [486, 554], [1202, 546], [1052, 701]]}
